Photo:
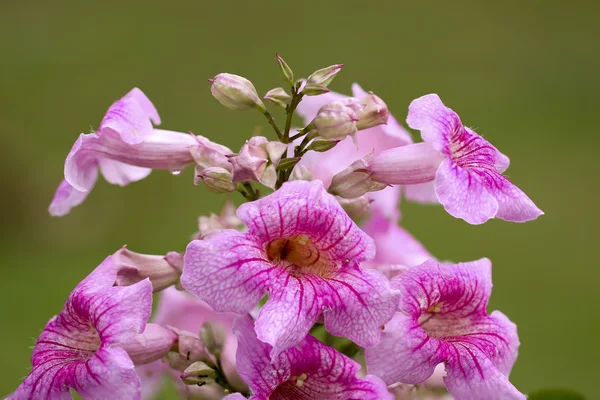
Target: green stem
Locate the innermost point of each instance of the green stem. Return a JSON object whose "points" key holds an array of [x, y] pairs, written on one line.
{"points": [[290, 109], [274, 125]]}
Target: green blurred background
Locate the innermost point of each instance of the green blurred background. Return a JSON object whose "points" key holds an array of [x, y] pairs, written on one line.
{"points": [[523, 73]]}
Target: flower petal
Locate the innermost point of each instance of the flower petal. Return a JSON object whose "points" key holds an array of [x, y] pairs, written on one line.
{"points": [[472, 376], [307, 371], [293, 307], [120, 312], [458, 290], [385, 202], [65, 198], [301, 207], [421, 193], [405, 354], [366, 302], [463, 194], [110, 374], [81, 164], [118, 173], [225, 271], [435, 121], [394, 244], [130, 117]]}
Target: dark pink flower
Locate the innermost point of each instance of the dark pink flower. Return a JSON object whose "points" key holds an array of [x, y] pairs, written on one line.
{"points": [[442, 318], [82, 347], [304, 251], [309, 370]]}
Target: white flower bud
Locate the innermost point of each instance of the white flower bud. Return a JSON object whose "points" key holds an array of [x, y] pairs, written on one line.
{"points": [[235, 92], [335, 121]]}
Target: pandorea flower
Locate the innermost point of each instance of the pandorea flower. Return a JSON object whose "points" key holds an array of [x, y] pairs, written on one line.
{"points": [[82, 347], [303, 250], [443, 318], [125, 148], [467, 168], [187, 314], [310, 370]]}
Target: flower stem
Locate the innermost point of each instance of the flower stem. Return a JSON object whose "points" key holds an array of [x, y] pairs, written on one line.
{"points": [[274, 125]]}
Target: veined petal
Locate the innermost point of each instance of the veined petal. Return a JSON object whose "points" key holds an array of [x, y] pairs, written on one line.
{"points": [[293, 307], [110, 374], [65, 198], [130, 117], [118, 313], [406, 353], [228, 271], [472, 376], [305, 208], [307, 371], [368, 303], [478, 195], [463, 194]]}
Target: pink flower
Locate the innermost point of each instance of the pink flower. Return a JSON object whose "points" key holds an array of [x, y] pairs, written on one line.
{"points": [[310, 370], [467, 169], [304, 251], [81, 347], [396, 249], [442, 318], [187, 313], [125, 148], [375, 139]]}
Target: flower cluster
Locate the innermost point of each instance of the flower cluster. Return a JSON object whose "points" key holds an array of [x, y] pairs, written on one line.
{"points": [[285, 296]]}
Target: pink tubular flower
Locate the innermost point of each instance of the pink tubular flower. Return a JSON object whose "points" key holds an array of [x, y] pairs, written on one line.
{"points": [[81, 348], [125, 148], [442, 318], [186, 313], [376, 139], [304, 251], [310, 370], [467, 169]]}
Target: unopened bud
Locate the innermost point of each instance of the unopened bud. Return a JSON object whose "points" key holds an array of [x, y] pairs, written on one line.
{"points": [[216, 179], [324, 76], [198, 374], [301, 173], [151, 345], [288, 75], [322, 145], [207, 154], [287, 163], [250, 163], [356, 207], [235, 92], [278, 96], [275, 150], [213, 335], [335, 121], [354, 181], [314, 89], [132, 267], [375, 112]]}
